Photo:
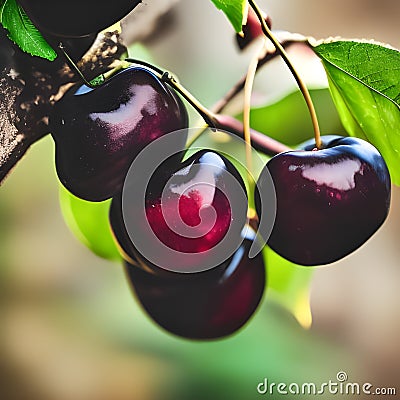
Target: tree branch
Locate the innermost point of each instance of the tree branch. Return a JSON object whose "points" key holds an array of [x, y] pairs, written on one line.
{"points": [[30, 86]]}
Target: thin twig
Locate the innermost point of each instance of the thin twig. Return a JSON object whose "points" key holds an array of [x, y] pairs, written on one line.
{"points": [[297, 77], [239, 86]]}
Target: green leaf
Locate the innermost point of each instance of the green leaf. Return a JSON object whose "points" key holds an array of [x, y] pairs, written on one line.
{"points": [[288, 120], [98, 80], [88, 221], [375, 65], [235, 10], [289, 285], [365, 86], [22, 31]]}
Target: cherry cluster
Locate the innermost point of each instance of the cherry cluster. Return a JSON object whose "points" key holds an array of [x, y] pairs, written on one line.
{"points": [[100, 130], [330, 198], [98, 133], [329, 201]]}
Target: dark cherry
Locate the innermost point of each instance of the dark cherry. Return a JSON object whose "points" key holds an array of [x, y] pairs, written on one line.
{"points": [[329, 201], [200, 199], [76, 18], [204, 305], [251, 30], [98, 132]]}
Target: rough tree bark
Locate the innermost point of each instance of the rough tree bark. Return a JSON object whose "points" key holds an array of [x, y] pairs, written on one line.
{"points": [[30, 86]]}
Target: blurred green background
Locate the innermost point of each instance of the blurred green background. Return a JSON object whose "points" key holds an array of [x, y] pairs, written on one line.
{"points": [[70, 328]]}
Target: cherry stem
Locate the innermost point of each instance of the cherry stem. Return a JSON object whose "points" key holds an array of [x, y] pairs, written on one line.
{"points": [[248, 90], [300, 83], [259, 141], [208, 116], [74, 67], [97, 81], [167, 77], [239, 86]]}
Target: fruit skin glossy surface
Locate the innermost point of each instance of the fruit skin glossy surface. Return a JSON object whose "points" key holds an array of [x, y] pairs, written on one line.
{"points": [[98, 132], [197, 193], [75, 18], [329, 201], [204, 305]]}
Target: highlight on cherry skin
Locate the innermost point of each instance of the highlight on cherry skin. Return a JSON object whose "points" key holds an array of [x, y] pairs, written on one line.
{"points": [[99, 131], [191, 208], [204, 305], [329, 201], [76, 18]]}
